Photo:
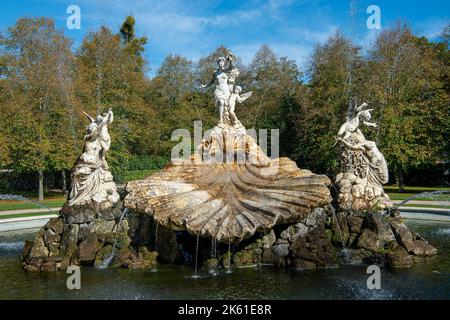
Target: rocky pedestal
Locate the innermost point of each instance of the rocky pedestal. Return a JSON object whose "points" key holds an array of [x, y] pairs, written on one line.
{"points": [[322, 239], [86, 235], [326, 239]]}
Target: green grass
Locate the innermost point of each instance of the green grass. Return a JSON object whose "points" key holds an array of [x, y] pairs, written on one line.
{"points": [[426, 206], [414, 189], [23, 205], [21, 215], [138, 174], [403, 196]]}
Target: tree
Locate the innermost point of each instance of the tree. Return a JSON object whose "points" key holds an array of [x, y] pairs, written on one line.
{"points": [[36, 58], [133, 46], [109, 77], [407, 87], [334, 74], [275, 83], [174, 79]]}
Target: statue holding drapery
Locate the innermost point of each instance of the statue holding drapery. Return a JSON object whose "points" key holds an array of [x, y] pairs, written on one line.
{"points": [[91, 179], [363, 167]]}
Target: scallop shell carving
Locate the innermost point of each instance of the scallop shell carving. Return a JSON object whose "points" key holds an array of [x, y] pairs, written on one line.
{"points": [[228, 202]]}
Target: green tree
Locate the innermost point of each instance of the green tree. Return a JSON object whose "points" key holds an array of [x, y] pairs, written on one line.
{"points": [[133, 45], [109, 77], [275, 82], [334, 74], [37, 57], [406, 83]]}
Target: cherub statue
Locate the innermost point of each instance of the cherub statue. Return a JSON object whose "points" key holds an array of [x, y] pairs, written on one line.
{"points": [[352, 125], [102, 122], [236, 96]]}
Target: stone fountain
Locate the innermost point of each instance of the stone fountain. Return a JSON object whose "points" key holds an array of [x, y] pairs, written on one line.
{"points": [[230, 203]]}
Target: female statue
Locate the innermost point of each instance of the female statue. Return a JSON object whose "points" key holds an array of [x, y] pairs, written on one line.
{"points": [[91, 179], [221, 77]]}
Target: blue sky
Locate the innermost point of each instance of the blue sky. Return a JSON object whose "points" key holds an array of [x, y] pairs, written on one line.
{"points": [[195, 28]]}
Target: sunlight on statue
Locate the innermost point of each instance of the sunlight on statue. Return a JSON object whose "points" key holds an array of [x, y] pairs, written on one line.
{"points": [[363, 167], [91, 178]]}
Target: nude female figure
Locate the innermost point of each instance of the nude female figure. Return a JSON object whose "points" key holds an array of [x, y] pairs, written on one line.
{"points": [[221, 77]]}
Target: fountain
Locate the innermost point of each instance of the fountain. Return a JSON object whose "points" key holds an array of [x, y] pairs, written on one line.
{"points": [[92, 227], [376, 231], [229, 188], [268, 210], [430, 194]]}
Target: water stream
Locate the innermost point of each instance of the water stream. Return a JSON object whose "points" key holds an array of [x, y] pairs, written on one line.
{"points": [[156, 236], [196, 276], [229, 257], [11, 197], [109, 258], [427, 194]]}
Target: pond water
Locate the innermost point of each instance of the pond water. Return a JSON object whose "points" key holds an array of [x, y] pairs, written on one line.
{"points": [[428, 280]]}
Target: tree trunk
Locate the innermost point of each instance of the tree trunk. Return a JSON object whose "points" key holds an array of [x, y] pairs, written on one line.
{"points": [[41, 186], [399, 179], [64, 182]]}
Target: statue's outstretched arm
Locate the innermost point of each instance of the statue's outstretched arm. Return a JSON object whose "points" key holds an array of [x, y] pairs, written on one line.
{"points": [[370, 124], [110, 116]]}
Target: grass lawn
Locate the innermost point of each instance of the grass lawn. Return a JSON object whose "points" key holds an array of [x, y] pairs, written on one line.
{"points": [[426, 206], [22, 205], [393, 193], [403, 196], [414, 189]]}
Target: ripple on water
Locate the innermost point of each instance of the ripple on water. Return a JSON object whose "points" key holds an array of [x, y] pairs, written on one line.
{"points": [[422, 281], [11, 246], [443, 231]]}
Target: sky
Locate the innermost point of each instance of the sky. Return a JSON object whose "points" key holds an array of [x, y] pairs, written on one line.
{"points": [[196, 28]]}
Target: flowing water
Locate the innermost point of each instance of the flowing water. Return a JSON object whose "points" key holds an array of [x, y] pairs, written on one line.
{"points": [[196, 276], [22, 198], [428, 280], [109, 258], [429, 195]]}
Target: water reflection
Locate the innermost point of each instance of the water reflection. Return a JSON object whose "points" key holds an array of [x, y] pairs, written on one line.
{"points": [[428, 280]]}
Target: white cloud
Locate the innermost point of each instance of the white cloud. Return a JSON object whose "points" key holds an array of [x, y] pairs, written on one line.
{"points": [[196, 28]]}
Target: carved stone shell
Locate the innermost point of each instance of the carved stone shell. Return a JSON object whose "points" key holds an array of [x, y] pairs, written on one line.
{"points": [[228, 202]]}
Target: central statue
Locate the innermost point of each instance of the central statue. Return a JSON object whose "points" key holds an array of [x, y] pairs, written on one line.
{"points": [[225, 96], [229, 189]]}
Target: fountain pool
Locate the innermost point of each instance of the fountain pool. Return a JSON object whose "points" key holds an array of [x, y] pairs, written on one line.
{"points": [[427, 280]]}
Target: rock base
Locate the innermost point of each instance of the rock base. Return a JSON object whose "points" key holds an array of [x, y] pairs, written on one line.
{"points": [[356, 194], [86, 236], [322, 239]]}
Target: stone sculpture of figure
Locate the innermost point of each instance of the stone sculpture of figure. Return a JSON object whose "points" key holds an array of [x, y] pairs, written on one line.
{"points": [[104, 137], [91, 178], [363, 167], [236, 96], [221, 77], [352, 125]]}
